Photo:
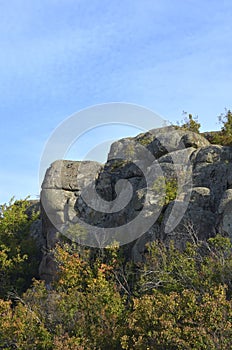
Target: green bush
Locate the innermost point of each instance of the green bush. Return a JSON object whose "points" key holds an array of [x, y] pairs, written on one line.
{"points": [[173, 300], [19, 255], [190, 123]]}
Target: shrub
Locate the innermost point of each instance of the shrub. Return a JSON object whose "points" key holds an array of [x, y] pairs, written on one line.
{"points": [[19, 256], [190, 123]]}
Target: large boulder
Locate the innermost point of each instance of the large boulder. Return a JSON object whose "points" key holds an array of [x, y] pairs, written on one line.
{"points": [[60, 192], [200, 174], [225, 211], [158, 141]]}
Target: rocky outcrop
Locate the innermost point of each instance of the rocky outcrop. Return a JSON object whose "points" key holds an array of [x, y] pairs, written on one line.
{"points": [[173, 174]]}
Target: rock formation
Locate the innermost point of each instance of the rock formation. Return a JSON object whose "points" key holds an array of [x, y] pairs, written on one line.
{"points": [[199, 204]]}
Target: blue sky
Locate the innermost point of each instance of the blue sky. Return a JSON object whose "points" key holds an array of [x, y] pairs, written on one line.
{"points": [[58, 57]]}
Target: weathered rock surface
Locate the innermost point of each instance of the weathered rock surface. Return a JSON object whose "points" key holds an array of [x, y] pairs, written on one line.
{"points": [[202, 207], [159, 142]]}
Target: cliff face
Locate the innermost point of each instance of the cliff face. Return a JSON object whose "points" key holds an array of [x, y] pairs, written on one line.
{"points": [[168, 184]]}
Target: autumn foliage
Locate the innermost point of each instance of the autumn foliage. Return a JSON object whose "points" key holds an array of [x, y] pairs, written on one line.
{"points": [[174, 300]]}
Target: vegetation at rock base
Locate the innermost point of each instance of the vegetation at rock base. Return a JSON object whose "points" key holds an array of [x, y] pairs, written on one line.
{"points": [[19, 254], [173, 300]]}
